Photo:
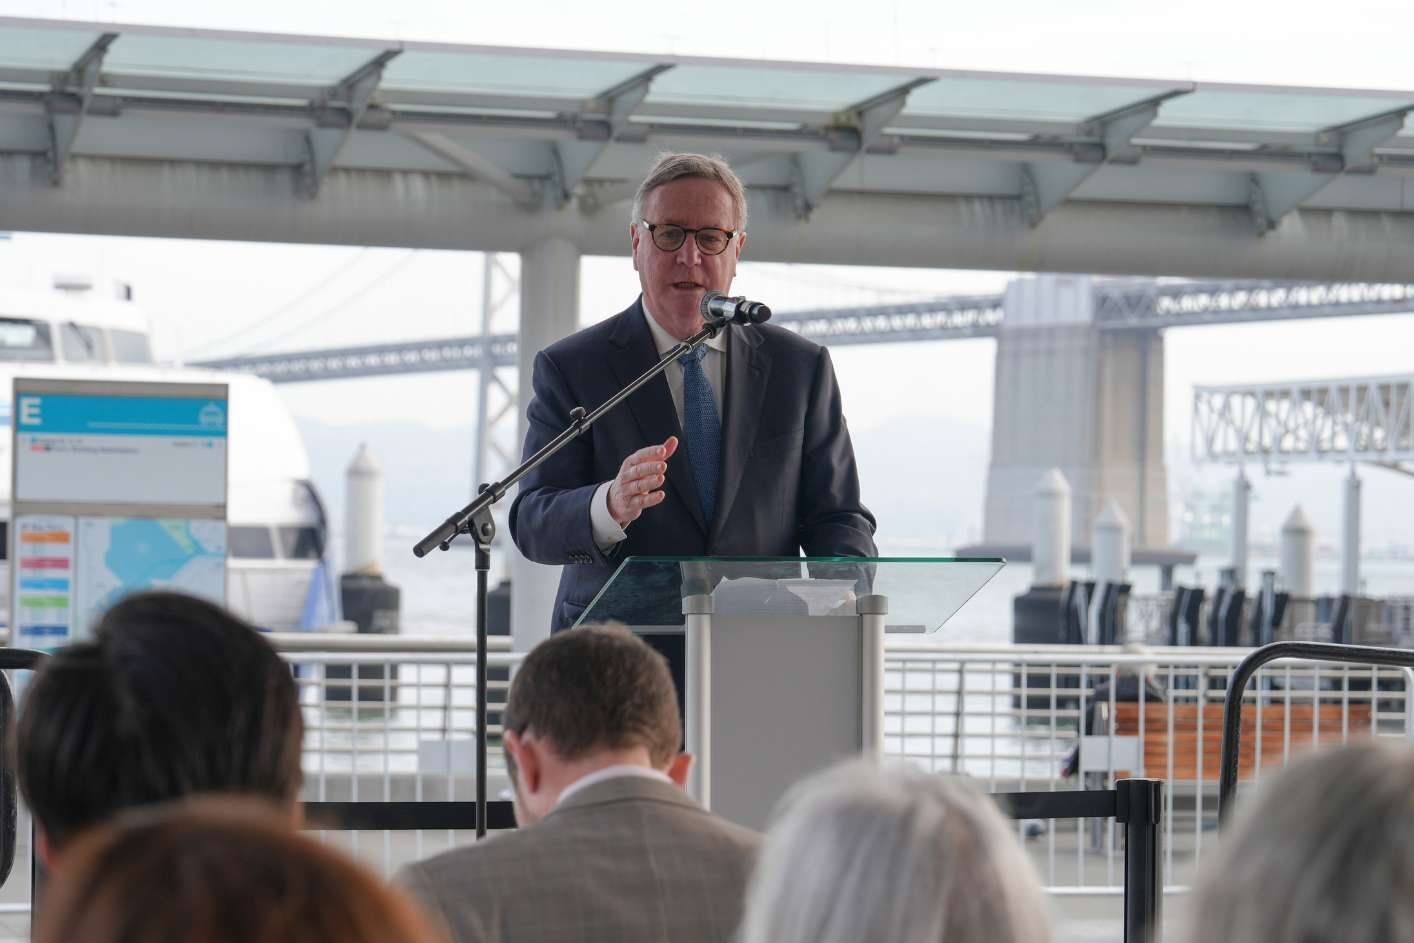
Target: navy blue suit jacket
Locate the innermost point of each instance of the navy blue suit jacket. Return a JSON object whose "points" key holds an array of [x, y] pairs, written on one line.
{"points": [[788, 477]]}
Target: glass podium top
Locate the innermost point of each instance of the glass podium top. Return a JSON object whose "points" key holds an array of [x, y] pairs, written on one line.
{"points": [[922, 593]]}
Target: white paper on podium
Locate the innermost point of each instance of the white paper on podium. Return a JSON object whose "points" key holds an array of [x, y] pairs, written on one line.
{"points": [[750, 595]]}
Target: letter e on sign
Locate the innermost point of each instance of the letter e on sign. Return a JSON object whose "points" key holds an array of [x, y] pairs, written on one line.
{"points": [[29, 411]]}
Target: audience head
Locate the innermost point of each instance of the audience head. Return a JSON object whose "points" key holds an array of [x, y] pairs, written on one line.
{"points": [[1323, 852], [172, 697], [583, 700], [218, 870], [896, 855]]}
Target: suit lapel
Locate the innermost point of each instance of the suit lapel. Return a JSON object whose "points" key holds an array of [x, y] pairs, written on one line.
{"points": [[652, 407], [748, 366]]}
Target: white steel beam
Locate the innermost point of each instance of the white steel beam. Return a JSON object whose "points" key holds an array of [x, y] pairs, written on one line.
{"points": [[68, 100], [521, 192], [343, 106], [1357, 140], [452, 210], [1046, 185], [606, 120], [853, 131]]}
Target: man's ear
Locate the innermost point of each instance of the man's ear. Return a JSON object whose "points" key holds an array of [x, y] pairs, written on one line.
{"points": [[42, 848], [680, 768], [526, 753], [633, 237]]}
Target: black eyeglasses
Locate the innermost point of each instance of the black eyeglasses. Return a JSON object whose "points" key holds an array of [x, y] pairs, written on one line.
{"points": [[669, 238]]}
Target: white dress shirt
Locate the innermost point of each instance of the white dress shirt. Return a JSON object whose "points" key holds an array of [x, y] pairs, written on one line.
{"points": [[607, 531], [607, 773]]}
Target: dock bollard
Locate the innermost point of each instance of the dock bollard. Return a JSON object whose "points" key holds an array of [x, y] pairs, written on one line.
{"points": [[369, 601]]}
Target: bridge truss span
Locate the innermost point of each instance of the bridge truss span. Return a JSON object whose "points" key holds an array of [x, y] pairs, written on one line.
{"points": [[1175, 304], [345, 363], [1360, 419], [952, 318]]}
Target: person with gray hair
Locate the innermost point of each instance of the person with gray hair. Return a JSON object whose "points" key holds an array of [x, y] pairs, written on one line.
{"points": [[738, 450], [1322, 853], [892, 854]]}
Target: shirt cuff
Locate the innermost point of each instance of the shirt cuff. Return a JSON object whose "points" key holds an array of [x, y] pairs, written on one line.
{"points": [[607, 531]]}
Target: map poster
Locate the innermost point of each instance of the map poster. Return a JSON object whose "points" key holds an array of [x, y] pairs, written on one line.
{"points": [[119, 486], [118, 556], [42, 581]]}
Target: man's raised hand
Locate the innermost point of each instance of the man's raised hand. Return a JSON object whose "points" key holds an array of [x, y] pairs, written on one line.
{"points": [[639, 483]]}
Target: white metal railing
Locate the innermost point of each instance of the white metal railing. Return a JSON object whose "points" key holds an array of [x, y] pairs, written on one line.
{"points": [[398, 724], [1011, 717]]}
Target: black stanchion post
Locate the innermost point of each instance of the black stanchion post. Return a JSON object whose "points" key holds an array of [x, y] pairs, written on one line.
{"points": [[1139, 806]]}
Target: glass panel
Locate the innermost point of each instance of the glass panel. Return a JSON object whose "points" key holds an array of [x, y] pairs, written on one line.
{"points": [[53, 50], [487, 74], [130, 346], [1270, 111], [250, 543], [922, 593], [80, 344], [1020, 99], [734, 86], [241, 60], [22, 339], [301, 543]]}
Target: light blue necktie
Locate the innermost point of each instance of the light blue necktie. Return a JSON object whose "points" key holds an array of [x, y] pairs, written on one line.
{"points": [[702, 429]]}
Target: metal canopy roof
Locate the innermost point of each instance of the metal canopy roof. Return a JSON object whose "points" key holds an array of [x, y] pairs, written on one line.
{"points": [[548, 129]]}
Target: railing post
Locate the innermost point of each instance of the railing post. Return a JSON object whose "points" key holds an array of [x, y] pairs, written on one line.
{"points": [[1139, 805]]}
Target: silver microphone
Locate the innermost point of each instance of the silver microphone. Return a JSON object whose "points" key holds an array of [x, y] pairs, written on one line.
{"points": [[717, 308]]}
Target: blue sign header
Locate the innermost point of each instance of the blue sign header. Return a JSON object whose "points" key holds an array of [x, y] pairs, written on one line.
{"points": [[64, 414]]}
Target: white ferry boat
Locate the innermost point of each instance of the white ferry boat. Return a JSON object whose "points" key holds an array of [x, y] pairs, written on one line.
{"points": [[277, 529]]}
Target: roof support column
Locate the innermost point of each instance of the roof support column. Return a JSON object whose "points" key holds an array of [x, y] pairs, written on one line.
{"points": [[549, 310]]}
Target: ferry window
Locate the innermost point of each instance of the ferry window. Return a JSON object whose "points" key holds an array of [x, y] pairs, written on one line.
{"points": [[301, 543], [80, 344], [250, 543], [130, 347], [22, 339]]}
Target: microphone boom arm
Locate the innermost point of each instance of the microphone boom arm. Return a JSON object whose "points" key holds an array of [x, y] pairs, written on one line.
{"points": [[470, 519]]}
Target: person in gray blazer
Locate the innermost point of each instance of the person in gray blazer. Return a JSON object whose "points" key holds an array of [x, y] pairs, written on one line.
{"points": [[609, 847]]}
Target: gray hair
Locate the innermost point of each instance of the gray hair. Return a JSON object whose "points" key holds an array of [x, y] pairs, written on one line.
{"points": [[1323, 852], [894, 854], [670, 167]]}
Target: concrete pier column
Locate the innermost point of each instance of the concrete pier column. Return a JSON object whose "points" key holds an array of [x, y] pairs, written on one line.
{"points": [[549, 310], [1298, 555], [1241, 509], [1050, 554], [1109, 542], [1086, 399], [1350, 537]]}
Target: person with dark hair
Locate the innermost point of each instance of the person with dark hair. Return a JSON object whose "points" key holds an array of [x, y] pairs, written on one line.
{"points": [[610, 848], [172, 697], [218, 870]]}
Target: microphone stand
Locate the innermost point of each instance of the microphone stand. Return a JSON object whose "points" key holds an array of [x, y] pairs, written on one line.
{"points": [[475, 520]]}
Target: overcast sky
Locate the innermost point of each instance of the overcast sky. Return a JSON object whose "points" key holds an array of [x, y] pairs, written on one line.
{"points": [[216, 298]]}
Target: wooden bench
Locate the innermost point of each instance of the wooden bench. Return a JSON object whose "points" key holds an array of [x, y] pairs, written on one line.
{"points": [[1332, 722]]}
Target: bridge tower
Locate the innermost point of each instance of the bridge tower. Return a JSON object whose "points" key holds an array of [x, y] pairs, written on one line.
{"points": [[1087, 399]]}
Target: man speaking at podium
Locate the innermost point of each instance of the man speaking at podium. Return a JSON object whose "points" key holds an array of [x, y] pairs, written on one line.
{"points": [[738, 450]]}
